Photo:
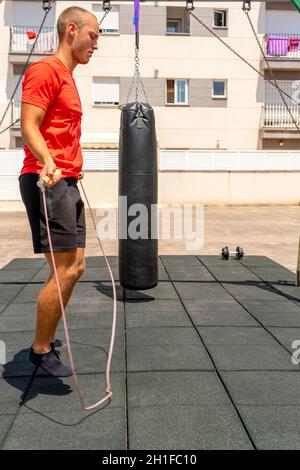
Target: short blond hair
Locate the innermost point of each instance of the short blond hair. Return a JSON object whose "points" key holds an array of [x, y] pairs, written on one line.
{"points": [[76, 15]]}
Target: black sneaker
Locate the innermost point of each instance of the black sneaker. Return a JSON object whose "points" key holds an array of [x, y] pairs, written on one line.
{"points": [[50, 363], [56, 352]]}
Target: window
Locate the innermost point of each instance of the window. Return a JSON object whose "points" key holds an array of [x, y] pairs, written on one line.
{"points": [[19, 142], [111, 22], [18, 69], [219, 89], [106, 91], [174, 26], [18, 95], [178, 21], [177, 91], [220, 18]]}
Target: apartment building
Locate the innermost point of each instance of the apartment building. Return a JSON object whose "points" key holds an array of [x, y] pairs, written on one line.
{"points": [[203, 95]]}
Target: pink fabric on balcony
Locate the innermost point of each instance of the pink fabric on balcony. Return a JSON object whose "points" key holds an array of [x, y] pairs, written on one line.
{"points": [[294, 44], [277, 45]]}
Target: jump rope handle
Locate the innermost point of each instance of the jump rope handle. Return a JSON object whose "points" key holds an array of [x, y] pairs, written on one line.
{"points": [[44, 180]]}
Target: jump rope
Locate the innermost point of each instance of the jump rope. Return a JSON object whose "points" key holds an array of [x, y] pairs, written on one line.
{"points": [[42, 184]]}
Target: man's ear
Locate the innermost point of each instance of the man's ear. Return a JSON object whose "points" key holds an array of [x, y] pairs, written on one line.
{"points": [[71, 29]]}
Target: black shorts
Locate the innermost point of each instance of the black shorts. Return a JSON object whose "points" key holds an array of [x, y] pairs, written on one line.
{"points": [[65, 213]]}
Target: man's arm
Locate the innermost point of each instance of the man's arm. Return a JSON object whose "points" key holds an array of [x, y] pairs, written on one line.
{"points": [[31, 119]]}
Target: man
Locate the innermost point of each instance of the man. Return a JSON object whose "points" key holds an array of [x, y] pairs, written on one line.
{"points": [[51, 128]]}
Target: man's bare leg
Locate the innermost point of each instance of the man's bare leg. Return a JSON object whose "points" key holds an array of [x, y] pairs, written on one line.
{"points": [[70, 266], [80, 261]]}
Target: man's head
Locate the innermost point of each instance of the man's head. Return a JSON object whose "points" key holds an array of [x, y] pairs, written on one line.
{"points": [[78, 29]]}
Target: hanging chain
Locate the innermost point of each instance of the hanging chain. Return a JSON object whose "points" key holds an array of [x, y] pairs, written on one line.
{"points": [[104, 16], [107, 8], [46, 7], [273, 82], [247, 8], [10, 125], [136, 81], [137, 73], [237, 54]]}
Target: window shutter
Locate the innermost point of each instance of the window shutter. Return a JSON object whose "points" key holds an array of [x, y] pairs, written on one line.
{"points": [[106, 91]]}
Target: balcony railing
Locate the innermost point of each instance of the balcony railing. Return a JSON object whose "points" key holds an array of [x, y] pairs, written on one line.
{"points": [[286, 46], [277, 116], [23, 37], [275, 113]]}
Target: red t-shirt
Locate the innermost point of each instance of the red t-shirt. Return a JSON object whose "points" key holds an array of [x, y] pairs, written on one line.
{"points": [[49, 84]]}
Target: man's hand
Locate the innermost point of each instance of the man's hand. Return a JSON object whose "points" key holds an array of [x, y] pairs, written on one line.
{"points": [[48, 168], [50, 174], [80, 175]]}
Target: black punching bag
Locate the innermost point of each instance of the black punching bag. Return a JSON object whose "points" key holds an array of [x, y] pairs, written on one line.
{"points": [[138, 244]]}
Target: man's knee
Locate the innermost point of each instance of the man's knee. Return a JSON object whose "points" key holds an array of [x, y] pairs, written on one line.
{"points": [[80, 269], [69, 273], [80, 262], [70, 266], [75, 271]]}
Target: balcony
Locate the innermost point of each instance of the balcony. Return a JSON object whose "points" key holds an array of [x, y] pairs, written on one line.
{"points": [[278, 124], [278, 117], [276, 120], [282, 51], [22, 39]]}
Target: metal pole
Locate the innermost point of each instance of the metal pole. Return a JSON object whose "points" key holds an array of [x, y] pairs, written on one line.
{"points": [[298, 266]]}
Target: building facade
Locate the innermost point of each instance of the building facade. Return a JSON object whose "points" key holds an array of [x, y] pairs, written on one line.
{"points": [[203, 95]]}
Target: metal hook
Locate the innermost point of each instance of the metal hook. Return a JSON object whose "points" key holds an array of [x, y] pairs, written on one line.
{"points": [[47, 5], [106, 5], [246, 5], [189, 5], [139, 116]]}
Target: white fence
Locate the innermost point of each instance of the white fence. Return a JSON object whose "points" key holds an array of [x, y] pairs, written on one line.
{"points": [[203, 160], [169, 160], [11, 163]]}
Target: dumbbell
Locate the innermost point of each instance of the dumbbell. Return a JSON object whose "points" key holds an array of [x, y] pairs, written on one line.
{"points": [[239, 252]]}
